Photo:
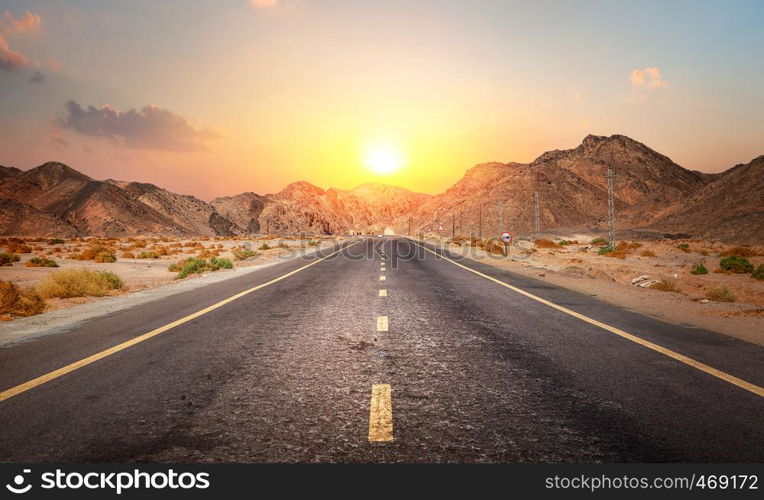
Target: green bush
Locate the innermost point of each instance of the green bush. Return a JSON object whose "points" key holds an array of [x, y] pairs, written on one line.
{"points": [[685, 247], [220, 263], [599, 242], [41, 262], [194, 265], [56, 241], [605, 250], [758, 273], [265, 246], [734, 264], [312, 243], [699, 268], [7, 259]]}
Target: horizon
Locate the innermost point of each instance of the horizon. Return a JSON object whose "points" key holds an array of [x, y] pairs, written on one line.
{"points": [[369, 182], [410, 94]]}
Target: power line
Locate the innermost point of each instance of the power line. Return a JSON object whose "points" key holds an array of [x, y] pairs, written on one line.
{"points": [[610, 208], [537, 214]]}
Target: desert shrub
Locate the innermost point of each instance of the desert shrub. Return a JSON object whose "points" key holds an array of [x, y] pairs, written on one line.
{"points": [[282, 245], [605, 250], [758, 273], [79, 283], [737, 265], [7, 259], [622, 245], [139, 244], [148, 255], [41, 262], [128, 255], [699, 268], [242, 253], [598, 242], [189, 266], [16, 247], [665, 286], [206, 253], [93, 252], [739, 252], [15, 302], [312, 243], [545, 243], [647, 253], [220, 263], [105, 257], [563, 243], [56, 241], [685, 247], [722, 294], [494, 246], [618, 253]]}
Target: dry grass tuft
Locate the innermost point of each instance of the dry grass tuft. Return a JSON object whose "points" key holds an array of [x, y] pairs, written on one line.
{"points": [[79, 283], [722, 294], [17, 303], [665, 286], [545, 243]]}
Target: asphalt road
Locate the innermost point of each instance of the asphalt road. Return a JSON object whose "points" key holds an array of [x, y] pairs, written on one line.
{"points": [[477, 373]]}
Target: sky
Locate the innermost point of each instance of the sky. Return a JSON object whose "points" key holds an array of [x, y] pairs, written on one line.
{"points": [[216, 97]]}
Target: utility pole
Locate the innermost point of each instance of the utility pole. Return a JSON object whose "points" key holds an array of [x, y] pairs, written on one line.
{"points": [[610, 208], [409, 226], [480, 221], [501, 218], [453, 225], [537, 214]]}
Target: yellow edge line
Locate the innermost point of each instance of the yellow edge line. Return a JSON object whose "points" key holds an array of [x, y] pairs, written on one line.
{"points": [[381, 414], [759, 391], [15, 391]]}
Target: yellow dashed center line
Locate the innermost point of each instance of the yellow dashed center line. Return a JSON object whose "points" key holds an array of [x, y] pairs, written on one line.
{"points": [[382, 324], [381, 278], [381, 414], [383, 293], [731, 379]]}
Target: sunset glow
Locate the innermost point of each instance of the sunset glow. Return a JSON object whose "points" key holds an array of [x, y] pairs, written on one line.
{"points": [[383, 159], [283, 90]]}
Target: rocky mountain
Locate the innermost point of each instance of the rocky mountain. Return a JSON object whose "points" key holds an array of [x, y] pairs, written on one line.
{"points": [[730, 208], [651, 193]]}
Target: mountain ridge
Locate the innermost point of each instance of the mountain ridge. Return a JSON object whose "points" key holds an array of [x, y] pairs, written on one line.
{"points": [[651, 192]]}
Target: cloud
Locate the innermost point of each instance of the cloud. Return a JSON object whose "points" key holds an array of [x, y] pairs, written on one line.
{"points": [[37, 77], [263, 4], [648, 77], [10, 59], [29, 23], [148, 128]]}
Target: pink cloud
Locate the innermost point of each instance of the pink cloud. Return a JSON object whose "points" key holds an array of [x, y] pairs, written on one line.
{"points": [[29, 23], [10, 59], [648, 77]]}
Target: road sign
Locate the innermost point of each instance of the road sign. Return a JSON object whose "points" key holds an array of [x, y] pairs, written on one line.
{"points": [[440, 228], [506, 237]]}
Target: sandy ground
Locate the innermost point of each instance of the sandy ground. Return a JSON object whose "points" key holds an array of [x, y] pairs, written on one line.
{"points": [[579, 267], [146, 273]]}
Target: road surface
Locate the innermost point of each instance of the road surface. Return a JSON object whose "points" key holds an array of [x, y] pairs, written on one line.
{"points": [[330, 362]]}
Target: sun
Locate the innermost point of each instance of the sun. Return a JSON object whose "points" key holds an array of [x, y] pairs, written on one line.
{"points": [[383, 159]]}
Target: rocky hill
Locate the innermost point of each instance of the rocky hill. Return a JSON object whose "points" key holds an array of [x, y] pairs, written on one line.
{"points": [[731, 208], [651, 193]]}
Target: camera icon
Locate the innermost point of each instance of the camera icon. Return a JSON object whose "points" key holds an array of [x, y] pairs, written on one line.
{"points": [[17, 486]]}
